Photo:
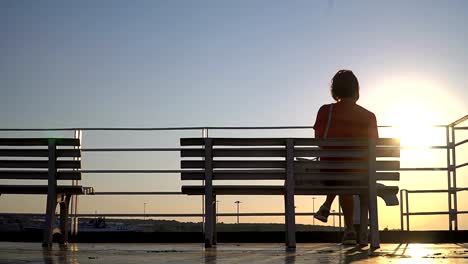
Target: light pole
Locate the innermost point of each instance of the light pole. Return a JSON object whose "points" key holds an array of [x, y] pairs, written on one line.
{"points": [[333, 211], [217, 211], [144, 211], [313, 210], [237, 202]]}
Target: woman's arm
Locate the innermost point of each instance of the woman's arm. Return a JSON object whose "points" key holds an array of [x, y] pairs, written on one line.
{"points": [[320, 122]]}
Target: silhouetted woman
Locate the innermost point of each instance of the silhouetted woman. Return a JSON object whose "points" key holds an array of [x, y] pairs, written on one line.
{"points": [[344, 119]]}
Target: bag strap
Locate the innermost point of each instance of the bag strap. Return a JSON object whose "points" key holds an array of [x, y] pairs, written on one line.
{"points": [[328, 121]]}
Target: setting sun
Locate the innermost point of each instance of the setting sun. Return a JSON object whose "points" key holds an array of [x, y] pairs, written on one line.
{"points": [[413, 106], [413, 125]]}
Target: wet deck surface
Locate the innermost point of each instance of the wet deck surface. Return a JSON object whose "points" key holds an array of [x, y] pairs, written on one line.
{"points": [[231, 253]]}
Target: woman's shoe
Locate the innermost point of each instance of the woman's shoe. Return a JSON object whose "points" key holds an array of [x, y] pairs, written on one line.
{"points": [[349, 238], [322, 214]]}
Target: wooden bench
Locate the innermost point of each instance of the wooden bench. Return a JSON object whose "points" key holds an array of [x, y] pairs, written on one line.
{"points": [[49, 160], [258, 159]]}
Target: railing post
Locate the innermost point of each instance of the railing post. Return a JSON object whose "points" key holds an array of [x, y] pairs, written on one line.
{"points": [[74, 199], [453, 169], [401, 210], [203, 184], [407, 210], [449, 184]]}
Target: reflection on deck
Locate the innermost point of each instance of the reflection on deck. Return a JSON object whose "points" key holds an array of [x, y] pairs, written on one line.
{"points": [[232, 253]]}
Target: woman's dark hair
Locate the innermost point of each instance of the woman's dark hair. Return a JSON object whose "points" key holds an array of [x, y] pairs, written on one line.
{"points": [[344, 85]]}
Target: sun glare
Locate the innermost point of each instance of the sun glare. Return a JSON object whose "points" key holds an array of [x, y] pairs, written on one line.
{"points": [[418, 251], [412, 124], [412, 106]]}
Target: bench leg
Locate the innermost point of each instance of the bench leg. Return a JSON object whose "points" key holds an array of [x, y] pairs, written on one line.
{"points": [[374, 223], [209, 221], [64, 210], [49, 221], [364, 220], [290, 221], [215, 221]]}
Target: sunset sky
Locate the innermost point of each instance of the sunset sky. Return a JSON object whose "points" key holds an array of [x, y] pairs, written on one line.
{"points": [[227, 63]]}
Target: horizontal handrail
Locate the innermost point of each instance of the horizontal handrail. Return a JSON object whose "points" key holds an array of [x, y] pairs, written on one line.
{"points": [[461, 142], [424, 191], [180, 149], [103, 129], [425, 147], [459, 121], [131, 171], [185, 170], [128, 149], [174, 128], [179, 193], [427, 213], [462, 165], [423, 169], [169, 214], [137, 193]]}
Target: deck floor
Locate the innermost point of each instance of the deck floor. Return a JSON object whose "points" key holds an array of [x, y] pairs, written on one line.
{"points": [[13, 252]]}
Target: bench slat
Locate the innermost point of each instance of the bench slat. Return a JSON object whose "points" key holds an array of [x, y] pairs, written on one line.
{"points": [[299, 152], [235, 141], [387, 152], [322, 190], [381, 165], [38, 141], [38, 153], [280, 175], [197, 164], [237, 175], [381, 152], [380, 176], [282, 142], [39, 175], [271, 190], [387, 176], [333, 176], [61, 164], [279, 190], [233, 152], [301, 166], [38, 189], [345, 142]]}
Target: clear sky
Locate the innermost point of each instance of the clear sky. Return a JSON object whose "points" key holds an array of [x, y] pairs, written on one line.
{"points": [[225, 63]]}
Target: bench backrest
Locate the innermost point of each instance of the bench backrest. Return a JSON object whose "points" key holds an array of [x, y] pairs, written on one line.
{"points": [[341, 160], [34, 158]]}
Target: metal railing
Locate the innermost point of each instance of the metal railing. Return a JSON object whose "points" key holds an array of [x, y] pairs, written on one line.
{"points": [[78, 133], [452, 189]]}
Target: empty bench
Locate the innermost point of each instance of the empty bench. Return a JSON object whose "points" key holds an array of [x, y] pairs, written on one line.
{"points": [[46, 160], [361, 164]]}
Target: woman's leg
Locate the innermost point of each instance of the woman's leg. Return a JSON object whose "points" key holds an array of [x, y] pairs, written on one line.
{"points": [[329, 201], [347, 205]]}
